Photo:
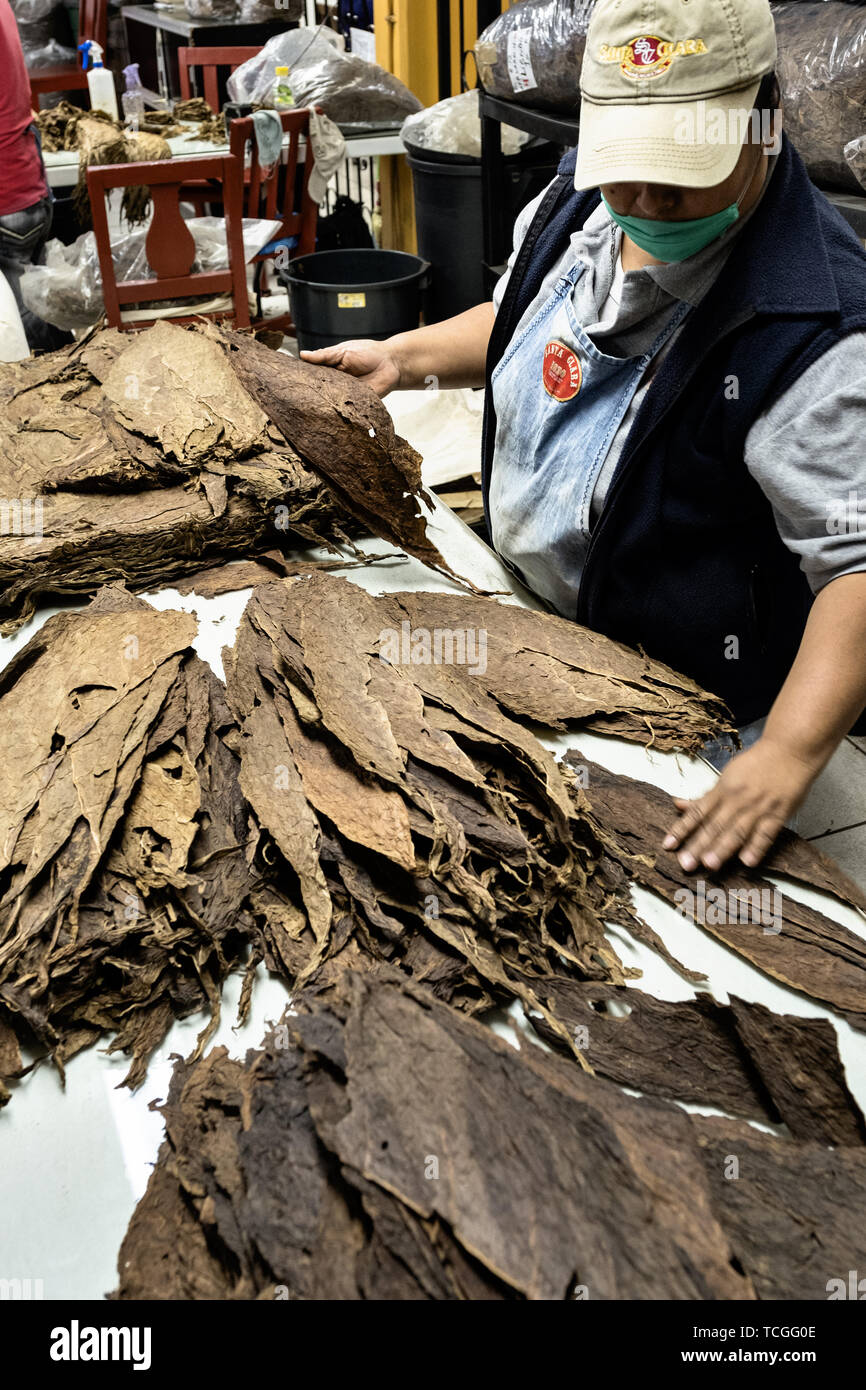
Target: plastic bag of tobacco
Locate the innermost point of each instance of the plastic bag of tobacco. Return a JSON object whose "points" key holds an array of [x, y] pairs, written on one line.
{"points": [[533, 53], [822, 72]]}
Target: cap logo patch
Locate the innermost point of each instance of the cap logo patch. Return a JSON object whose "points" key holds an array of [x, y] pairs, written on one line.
{"points": [[648, 56]]}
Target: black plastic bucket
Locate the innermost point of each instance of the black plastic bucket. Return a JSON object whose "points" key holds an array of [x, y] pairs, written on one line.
{"points": [[354, 293], [450, 219]]}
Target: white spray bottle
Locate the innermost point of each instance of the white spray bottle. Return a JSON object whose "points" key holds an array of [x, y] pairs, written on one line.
{"points": [[100, 82]]}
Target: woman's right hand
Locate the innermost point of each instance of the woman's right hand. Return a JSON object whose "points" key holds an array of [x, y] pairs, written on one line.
{"points": [[370, 361]]}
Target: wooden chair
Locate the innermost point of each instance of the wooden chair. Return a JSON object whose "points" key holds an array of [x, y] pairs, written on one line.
{"points": [[169, 243], [212, 62], [70, 77], [210, 65], [279, 193]]}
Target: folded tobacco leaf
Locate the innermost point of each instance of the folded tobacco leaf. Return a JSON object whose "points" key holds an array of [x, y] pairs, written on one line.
{"points": [[793, 943], [123, 828], [741, 1058], [408, 815], [792, 1212], [119, 461], [342, 431], [362, 1155]]}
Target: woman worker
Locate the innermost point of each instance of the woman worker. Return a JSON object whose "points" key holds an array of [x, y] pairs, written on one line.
{"points": [[675, 365]]}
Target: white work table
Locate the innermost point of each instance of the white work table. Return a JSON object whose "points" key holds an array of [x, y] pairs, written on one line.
{"points": [[74, 1163], [61, 166]]}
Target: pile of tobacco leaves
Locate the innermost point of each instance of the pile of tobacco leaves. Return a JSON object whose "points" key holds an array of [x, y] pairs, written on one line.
{"points": [[122, 876], [98, 139], [144, 459], [364, 805], [383, 1146]]}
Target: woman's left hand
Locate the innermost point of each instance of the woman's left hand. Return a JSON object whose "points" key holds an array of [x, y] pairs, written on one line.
{"points": [[743, 814]]}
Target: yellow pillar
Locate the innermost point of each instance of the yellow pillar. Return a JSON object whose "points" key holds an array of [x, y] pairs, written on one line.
{"points": [[407, 46]]}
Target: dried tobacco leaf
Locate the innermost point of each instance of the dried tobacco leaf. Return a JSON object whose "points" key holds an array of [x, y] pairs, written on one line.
{"points": [[419, 823], [123, 827], [343, 432], [361, 1156], [780, 935], [792, 1212], [742, 1058], [120, 462], [544, 668]]}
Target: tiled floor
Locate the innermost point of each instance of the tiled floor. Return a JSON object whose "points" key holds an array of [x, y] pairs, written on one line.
{"points": [[834, 816]]}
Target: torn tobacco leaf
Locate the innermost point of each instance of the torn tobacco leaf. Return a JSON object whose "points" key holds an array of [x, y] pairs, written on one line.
{"points": [[123, 831], [138, 459], [544, 668], [792, 1212], [361, 1155], [796, 944], [741, 1058], [342, 431]]}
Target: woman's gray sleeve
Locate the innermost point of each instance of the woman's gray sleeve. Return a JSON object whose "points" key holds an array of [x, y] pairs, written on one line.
{"points": [[807, 453]]}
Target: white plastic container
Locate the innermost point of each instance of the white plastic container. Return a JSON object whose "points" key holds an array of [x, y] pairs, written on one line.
{"points": [[100, 82]]}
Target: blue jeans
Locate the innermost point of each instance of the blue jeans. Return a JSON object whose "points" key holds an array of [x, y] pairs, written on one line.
{"points": [[719, 751], [22, 237]]}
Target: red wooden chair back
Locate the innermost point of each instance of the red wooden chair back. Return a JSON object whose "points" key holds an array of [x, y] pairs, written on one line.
{"points": [[211, 61], [93, 21], [169, 243], [69, 77], [299, 214]]}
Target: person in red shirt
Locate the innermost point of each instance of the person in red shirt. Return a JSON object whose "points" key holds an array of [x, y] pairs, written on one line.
{"points": [[25, 202]]}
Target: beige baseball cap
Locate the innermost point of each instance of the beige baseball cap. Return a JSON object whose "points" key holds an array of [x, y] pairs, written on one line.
{"points": [[667, 88]]}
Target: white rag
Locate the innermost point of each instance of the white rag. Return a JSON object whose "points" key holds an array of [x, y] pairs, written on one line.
{"points": [[329, 150]]}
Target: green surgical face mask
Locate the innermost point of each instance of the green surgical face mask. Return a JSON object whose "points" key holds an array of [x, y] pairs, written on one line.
{"points": [[676, 241]]}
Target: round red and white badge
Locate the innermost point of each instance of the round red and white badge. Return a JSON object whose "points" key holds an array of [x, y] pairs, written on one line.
{"points": [[561, 373]]}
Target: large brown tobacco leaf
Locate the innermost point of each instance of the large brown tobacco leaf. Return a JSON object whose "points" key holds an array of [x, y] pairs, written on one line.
{"points": [[342, 431], [793, 943], [122, 829], [742, 1058]]}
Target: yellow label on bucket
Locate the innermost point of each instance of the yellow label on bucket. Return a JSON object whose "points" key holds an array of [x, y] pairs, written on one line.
{"points": [[352, 301]]}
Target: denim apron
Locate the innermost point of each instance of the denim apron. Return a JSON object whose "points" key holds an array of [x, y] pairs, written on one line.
{"points": [[559, 402]]}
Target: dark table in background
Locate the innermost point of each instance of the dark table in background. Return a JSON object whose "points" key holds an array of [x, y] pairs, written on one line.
{"points": [[154, 34]]}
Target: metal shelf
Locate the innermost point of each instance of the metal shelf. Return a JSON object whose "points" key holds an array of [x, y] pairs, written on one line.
{"points": [[562, 131], [495, 113]]}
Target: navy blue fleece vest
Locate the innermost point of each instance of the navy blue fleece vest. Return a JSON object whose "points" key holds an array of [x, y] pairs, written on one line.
{"points": [[686, 555]]}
